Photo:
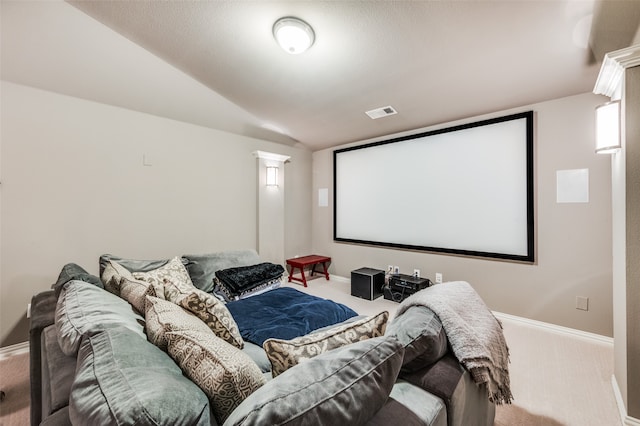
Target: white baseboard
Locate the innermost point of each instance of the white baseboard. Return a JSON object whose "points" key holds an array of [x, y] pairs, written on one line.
{"points": [[12, 350], [626, 420], [557, 328], [340, 279]]}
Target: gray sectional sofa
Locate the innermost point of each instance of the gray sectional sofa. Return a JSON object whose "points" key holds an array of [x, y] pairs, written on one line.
{"points": [[116, 375]]}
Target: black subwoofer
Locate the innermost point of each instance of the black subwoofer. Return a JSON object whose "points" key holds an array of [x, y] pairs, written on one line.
{"points": [[367, 283]]}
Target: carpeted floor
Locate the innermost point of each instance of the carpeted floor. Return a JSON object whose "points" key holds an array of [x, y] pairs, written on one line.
{"points": [[557, 379], [14, 382]]}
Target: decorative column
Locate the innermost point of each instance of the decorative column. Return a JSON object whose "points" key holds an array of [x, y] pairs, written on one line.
{"points": [[270, 215], [619, 79]]}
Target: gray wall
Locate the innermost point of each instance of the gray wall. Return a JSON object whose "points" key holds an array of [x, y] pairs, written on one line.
{"points": [[573, 240], [74, 187]]}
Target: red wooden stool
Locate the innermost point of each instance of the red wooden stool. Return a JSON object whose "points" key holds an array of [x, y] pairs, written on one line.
{"points": [[302, 262]]}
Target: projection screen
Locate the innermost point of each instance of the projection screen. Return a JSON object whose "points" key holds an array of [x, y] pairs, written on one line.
{"points": [[465, 190]]}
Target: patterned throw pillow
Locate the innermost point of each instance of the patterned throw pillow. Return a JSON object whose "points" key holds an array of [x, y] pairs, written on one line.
{"points": [[135, 291], [215, 314], [225, 373], [284, 354], [112, 275], [162, 316], [173, 272]]}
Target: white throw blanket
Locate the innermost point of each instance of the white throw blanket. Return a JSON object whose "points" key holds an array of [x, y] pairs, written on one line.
{"points": [[474, 333]]}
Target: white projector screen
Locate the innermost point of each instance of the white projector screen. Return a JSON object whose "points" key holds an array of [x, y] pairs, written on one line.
{"points": [[464, 190]]}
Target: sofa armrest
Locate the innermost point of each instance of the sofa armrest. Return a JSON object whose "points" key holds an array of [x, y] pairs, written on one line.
{"points": [[43, 307], [467, 403]]}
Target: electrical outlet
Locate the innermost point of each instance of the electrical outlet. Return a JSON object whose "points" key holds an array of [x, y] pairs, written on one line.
{"points": [[416, 273], [28, 310], [582, 303], [396, 269], [438, 278]]}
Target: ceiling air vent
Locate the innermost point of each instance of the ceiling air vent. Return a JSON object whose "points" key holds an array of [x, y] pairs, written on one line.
{"points": [[381, 112]]}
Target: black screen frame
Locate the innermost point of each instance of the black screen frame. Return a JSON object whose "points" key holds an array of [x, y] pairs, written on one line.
{"points": [[529, 257]]}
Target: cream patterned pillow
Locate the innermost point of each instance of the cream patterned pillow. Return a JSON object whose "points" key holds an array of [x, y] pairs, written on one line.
{"points": [[173, 272], [225, 373], [135, 291], [162, 316], [215, 314], [284, 354], [112, 275], [176, 290]]}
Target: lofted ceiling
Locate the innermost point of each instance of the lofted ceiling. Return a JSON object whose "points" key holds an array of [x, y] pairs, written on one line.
{"points": [[433, 61]]}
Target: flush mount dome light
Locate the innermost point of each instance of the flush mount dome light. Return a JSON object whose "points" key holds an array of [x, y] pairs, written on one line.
{"points": [[293, 34]]}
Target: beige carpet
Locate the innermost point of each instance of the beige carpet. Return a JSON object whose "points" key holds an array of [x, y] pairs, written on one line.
{"points": [[14, 382], [557, 378]]}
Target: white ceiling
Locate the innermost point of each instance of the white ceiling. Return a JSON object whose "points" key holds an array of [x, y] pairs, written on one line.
{"points": [[433, 61]]}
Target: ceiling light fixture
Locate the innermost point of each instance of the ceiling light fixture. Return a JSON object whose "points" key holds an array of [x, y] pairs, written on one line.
{"points": [[293, 34]]}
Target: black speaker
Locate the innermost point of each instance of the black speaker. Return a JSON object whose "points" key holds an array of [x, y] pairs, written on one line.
{"points": [[367, 283]]}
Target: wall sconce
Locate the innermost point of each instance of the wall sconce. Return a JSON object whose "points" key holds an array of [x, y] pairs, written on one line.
{"points": [[608, 128], [272, 176]]}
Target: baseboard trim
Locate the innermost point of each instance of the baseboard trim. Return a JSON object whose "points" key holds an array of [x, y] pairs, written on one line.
{"points": [[557, 329], [626, 420], [13, 350], [340, 279]]}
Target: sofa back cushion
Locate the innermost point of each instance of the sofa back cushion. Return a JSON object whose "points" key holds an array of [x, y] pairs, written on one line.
{"points": [[202, 268], [83, 308], [421, 333], [345, 386], [121, 378]]}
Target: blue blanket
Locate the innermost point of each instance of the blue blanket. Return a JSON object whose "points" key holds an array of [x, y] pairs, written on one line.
{"points": [[285, 313]]}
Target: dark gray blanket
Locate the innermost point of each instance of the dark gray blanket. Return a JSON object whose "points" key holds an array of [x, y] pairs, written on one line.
{"points": [[244, 278]]}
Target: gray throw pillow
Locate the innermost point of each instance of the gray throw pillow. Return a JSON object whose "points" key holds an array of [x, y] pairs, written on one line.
{"points": [[345, 386], [420, 332], [121, 378], [72, 271]]}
